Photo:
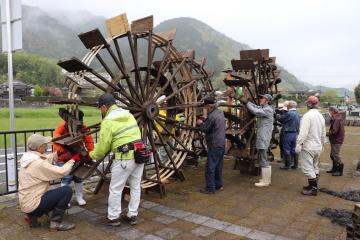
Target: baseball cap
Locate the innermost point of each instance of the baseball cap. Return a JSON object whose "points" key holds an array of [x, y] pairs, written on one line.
{"points": [[36, 140], [267, 96], [106, 99], [209, 100]]}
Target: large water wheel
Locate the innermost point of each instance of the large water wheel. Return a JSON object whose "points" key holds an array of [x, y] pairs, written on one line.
{"points": [[161, 86], [251, 76]]}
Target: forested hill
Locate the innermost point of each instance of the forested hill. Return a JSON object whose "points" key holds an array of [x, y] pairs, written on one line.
{"points": [[54, 35]]}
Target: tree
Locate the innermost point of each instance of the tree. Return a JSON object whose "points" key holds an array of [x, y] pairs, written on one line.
{"points": [[330, 96], [357, 93], [38, 91]]}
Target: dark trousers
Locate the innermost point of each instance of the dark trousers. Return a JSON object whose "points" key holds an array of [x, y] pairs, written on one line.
{"points": [[335, 153], [289, 143], [56, 198], [213, 169]]}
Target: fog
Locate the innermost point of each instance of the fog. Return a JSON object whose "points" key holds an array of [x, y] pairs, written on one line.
{"points": [[317, 40]]}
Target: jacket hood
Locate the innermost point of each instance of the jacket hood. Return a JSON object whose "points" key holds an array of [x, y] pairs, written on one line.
{"points": [[117, 113], [28, 158]]}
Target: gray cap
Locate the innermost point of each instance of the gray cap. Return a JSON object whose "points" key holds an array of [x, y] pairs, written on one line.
{"points": [[267, 96], [106, 99], [36, 140]]}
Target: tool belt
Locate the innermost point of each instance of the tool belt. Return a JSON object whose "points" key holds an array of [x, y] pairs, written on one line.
{"points": [[142, 153]]}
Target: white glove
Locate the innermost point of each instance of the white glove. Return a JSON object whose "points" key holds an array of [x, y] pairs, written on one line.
{"points": [[298, 148]]}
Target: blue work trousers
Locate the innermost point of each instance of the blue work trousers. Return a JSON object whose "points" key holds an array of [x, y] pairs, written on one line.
{"points": [[213, 169], [56, 198], [289, 143]]}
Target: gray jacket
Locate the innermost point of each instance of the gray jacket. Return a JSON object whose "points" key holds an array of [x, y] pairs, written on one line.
{"points": [[265, 124], [214, 129]]}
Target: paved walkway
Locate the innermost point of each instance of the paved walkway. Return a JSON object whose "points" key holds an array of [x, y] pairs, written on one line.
{"points": [[241, 211]]}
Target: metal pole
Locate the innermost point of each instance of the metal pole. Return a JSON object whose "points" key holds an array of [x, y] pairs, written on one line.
{"points": [[12, 167]]}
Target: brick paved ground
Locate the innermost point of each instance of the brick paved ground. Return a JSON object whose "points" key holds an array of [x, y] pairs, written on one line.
{"points": [[239, 212]]}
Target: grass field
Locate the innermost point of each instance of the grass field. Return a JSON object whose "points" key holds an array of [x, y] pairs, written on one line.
{"points": [[38, 118]]}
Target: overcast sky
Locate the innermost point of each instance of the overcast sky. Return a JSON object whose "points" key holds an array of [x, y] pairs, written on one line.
{"points": [[317, 40]]}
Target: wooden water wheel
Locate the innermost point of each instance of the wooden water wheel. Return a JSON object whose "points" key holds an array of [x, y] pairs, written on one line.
{"points": [[251, 76], [161, 86]]}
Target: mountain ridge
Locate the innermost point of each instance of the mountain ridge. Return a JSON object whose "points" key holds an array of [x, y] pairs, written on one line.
{"points": [[53, 34]]}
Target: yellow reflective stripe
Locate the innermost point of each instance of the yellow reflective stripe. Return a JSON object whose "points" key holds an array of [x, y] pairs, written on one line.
{"points": [[124, 130]]}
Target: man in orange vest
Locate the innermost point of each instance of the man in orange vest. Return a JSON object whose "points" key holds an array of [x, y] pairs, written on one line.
{"points": [[66, 152]]}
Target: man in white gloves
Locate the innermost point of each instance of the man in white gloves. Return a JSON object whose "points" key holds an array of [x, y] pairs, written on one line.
{"points": [[309, 144]]}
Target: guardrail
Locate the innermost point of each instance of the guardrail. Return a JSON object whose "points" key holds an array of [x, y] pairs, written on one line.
{"points": [[9, 160]]}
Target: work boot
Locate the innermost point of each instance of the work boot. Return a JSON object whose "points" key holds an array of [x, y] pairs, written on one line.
{"points": [[130, 220], [296, 161], [338, 170], [32, 221], [57, 223], [79, 193], [332, 169], [265, 180], [287, 159], [312, 190], [113, 223]]}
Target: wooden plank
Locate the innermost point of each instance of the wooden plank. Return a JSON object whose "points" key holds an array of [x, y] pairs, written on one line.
{"points": [[254, 54], [167, 35], [190, 53], [117, 25], [92, 38], [142, 25], [241, 65]]}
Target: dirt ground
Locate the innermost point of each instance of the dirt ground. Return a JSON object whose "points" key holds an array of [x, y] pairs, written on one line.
{"points": [[241, 211]]}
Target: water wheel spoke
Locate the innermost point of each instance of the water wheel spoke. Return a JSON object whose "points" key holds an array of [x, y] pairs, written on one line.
{"points": [[164, 143], [190, 84], [160, 70], [133, 49], [171, 134], [163, 88]]}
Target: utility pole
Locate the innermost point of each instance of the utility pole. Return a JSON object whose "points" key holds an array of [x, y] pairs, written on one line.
{"points": [[11, 26]]}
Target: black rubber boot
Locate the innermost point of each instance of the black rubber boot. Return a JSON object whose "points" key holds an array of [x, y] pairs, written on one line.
{"points": [[296, 161], [57, 223], [308, 186], [287, 159], [313, 188], [339, 170]]}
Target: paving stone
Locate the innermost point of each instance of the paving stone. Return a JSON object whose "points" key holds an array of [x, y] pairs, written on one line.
{"points": [[203, 231], [283, 238], [151, 237], [86, 214], [167, 233], [148, 204], [237, 230], [178, 213], [165, 219], [183, 225], [130, 234], [217, 224], [259, 235], [75, 209], [196, 218], [161, 209], [220, 235], [100, 210]]}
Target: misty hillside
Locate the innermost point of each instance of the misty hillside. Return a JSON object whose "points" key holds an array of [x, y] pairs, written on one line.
{"points": [[54, 35]]}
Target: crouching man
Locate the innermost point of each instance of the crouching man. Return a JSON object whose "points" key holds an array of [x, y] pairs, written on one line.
{"points": [[36, 172]]}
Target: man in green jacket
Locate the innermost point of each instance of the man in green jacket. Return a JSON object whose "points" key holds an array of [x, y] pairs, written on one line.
{"points": [[118, 130]]}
